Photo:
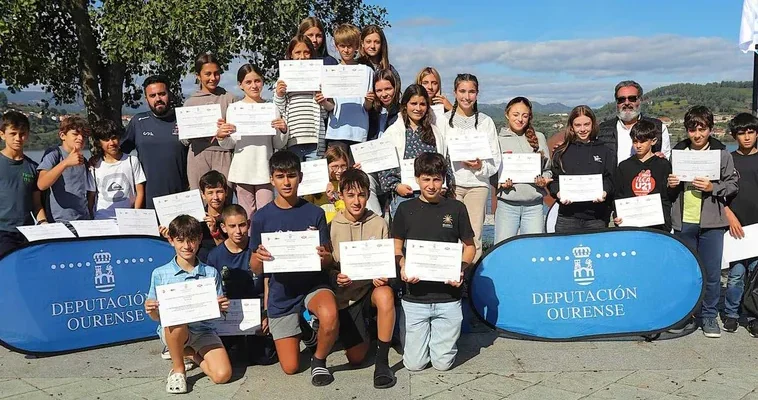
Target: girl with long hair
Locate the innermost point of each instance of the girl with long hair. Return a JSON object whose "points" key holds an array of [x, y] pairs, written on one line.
{"points": [[429, 78], [374, 50], [313, 29]]}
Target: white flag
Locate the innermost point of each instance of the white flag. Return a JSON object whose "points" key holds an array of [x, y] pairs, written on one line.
{"points": [[749, 26]]}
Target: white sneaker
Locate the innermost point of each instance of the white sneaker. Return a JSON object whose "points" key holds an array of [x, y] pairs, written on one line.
{"points": [[176, 383], [164, 353]]}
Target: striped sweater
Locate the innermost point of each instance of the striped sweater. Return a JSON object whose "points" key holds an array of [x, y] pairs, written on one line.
{"points": [[305, 119]]}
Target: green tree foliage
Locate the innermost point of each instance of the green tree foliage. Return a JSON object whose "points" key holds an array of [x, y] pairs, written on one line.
{"points": [[3, 101], [96, 49]]}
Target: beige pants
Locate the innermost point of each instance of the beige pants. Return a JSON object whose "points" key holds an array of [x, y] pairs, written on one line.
{"points": [[475, 199]]}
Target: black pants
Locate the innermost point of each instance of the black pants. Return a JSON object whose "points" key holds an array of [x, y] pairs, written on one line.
{"points": [[10, 241], [576, 225]]}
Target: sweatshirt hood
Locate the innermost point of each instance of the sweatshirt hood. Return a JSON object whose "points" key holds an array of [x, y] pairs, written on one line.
{"points": [[218, 92], [713, 143], [340, 218]]}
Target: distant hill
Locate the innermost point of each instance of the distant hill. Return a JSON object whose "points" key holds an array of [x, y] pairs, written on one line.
{"points": [[497, 111]]}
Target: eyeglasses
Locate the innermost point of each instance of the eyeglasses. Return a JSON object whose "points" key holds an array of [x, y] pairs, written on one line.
{"points": [[623, 99], [341, 168]]}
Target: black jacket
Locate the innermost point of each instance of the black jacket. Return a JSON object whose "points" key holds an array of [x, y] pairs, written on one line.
{"points": [[608, 134]]}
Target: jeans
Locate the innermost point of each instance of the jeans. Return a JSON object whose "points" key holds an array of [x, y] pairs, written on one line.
{"points": [[576, 225], [397, 199], [735, 286], [430, 332], [708, 244], [512, 219], [306, 152]]}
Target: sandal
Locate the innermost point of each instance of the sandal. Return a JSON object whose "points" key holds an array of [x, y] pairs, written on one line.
{"points": [[176, 383]]}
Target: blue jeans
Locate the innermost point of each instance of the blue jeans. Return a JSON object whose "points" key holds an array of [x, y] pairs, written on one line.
{"points": [[735, 286], [396, 200], [512, 219], [306, 152], [708, 244], [430, 332]]}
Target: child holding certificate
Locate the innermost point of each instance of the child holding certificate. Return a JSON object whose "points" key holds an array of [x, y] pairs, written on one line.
{"points": [[582, 154], [291, 292], [313, 29], [742, 211], [374, 51], [644, 173], [431, 315], [356, 299], [698, 215], [429, 78], [197, 339], [329, 201], [213, 190]]}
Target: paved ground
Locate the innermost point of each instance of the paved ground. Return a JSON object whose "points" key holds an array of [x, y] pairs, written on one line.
{"points": [[488, 367]]}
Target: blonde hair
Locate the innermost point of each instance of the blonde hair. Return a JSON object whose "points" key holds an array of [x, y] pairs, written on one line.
{"points": [[347, 34], [429, 71]]}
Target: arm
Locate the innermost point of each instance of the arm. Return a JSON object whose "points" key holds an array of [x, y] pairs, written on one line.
{"points": [[48, 177], [39, 210], [469, 251], [727, 185], [491, 166], [553, 187], [91, 202], [128, 144], [139, 200], [389, 179], [227, 143], [609, 170]]}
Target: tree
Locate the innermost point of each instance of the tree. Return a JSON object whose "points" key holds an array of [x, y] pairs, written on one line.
{"points": [[3, 100], [97, 49]]}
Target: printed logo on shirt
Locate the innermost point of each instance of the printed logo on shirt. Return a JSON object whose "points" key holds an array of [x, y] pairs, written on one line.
{"points": [[142, 118], [643, 183], [597, 159], [447, 221], [27, 177], [148, 133]]}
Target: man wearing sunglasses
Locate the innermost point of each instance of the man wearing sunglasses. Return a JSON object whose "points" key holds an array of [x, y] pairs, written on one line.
{"points": [[615, 132]]}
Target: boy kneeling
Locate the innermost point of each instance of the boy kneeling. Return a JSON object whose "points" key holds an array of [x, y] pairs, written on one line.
{"points": [[198, 339]]}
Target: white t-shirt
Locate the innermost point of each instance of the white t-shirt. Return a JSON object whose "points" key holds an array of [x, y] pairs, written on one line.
{"points": [[115, 185]]}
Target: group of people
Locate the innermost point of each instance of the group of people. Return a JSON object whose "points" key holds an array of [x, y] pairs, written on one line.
{"points": [[631, 153]]}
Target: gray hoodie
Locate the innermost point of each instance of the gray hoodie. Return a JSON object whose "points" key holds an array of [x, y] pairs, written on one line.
{"points": [[523, 193]]}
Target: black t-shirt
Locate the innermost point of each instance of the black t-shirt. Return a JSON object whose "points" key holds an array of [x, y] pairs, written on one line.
{"points": [[637, 178], [745, 203], [446, 221]]}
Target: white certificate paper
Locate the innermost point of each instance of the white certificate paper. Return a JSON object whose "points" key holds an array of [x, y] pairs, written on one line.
{"points": [[740, 249], [577, 188], [408, 173], [173, 205], [301, 75], [243, 317], [251, 119], [186, 302], [640, 210], [375, 155], [95, 228], [690, 164], [433, 261], [197, 121], [292, 251], [520, 167], [315, 177], [468, 145], [345, 80], [137, 222], [45, 231], [368, 259]]}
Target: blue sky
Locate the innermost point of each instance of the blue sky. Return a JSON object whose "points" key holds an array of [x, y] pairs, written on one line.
{"points": [[550, 50]]}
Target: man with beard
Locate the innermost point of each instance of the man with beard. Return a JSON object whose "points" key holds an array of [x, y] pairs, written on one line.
{"points": [[154, 134], [615, 132]]}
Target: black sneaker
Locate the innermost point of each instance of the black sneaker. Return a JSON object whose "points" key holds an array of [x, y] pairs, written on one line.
{"points": [[731, 324], [711, 328], [752, 327]]}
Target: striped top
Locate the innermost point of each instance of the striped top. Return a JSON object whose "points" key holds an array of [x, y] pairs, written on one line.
{"points": [[304, 117]]}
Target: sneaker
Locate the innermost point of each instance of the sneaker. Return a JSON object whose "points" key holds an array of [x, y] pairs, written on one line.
{"points": [[752, 327], [176, 383], [164, 353], [711, 328], [731, 324]]}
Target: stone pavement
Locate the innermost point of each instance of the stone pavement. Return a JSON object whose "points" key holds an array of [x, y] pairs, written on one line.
{"points": [[488, 367]]}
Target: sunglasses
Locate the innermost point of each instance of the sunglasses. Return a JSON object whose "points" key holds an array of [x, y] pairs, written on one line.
{"points": [[623, 99]]}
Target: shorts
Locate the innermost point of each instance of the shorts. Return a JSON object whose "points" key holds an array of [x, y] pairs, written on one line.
{"points": [[289, 325], [197, 340], [354, 322]]}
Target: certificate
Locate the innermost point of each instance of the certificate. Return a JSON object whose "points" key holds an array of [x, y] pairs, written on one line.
{"points": [[45, 231], [578, 188], [345, 80], [137, 222], [186, 302], [95, 228], [173, 205], [251, 119], [520, 167], [690, 164], [640, 210], [243, 317], [438, 110], [433, 261], [198, 121], [368, 259], [302, 75], [292, 251], [408, 174], [375, 155], [740, 249], [315, 177], [467, 145]]}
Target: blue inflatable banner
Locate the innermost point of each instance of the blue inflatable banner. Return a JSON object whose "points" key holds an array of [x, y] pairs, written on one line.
{"points": [[619, 282], [71, 294]]}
